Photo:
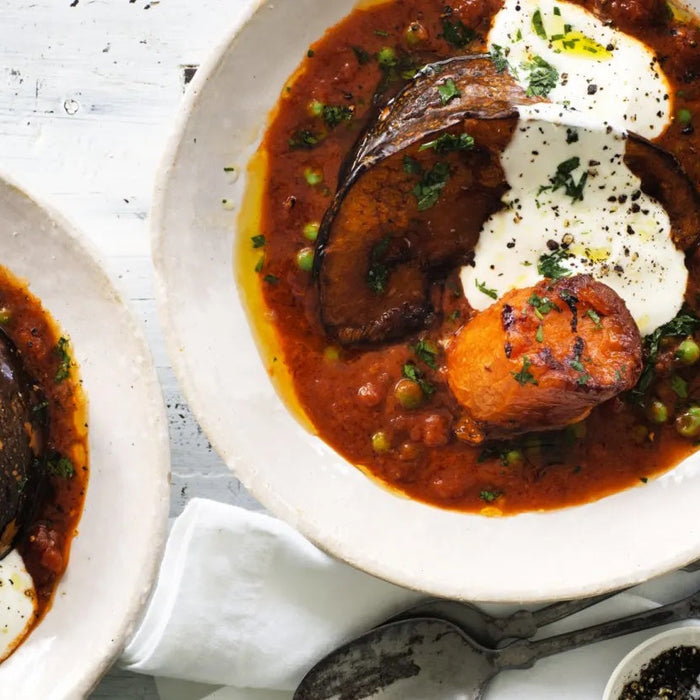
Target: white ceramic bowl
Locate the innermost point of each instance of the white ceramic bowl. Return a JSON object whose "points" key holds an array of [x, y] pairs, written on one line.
{"points": [[614, 542], [632, 664], [114, 557]]}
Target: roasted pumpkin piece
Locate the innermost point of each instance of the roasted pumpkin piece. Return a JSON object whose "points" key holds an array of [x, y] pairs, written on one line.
{"points": [[541, 358]]}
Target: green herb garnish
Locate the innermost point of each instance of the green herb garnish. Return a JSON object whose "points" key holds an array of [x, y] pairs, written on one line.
{"points": [[524, 376], [304, 138], [539, 335], [431, 184], [498, 57], [542, 77], [489, 496], [455, 33], [335, 114], [62, 350], [595, 318], [563, 178], [258, 241], [449, 142], [538, 25], [410, 371], [549, 264], [481, 286], [679, 386], [378, 272], [59, 465], [542, 305], [427, 351], [448, 91]]}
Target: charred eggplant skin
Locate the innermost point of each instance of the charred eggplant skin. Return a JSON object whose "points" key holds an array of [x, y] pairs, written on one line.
{"points": [[23, 431], [352, 311]]}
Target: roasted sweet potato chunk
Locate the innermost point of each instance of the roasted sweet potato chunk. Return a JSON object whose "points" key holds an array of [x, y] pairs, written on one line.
{"points": [[542, 357]]}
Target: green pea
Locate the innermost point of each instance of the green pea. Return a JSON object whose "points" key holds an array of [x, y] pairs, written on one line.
{"points": [[313, 177], [688, 422], [688, 352], [408, 393], [415, 33], [657, 412], [684, 116], [310, 230], [331, 353], [381, 441], [315, 108], [640, 434], [513, 458], [386, 57], [305, 259]]}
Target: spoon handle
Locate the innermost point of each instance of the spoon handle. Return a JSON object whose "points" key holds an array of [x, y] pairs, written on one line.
{"points": [[523, 654]]}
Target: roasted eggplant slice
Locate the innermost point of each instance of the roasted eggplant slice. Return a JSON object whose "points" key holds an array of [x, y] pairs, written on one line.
{"points": [[664, 179], [412, 198], [542, 357], [22, 443]]}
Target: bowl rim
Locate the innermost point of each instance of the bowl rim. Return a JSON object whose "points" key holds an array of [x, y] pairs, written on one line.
{"points": [[90, 675]]}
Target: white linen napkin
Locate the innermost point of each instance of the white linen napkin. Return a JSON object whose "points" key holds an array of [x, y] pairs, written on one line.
{"points": [[243, 600]]}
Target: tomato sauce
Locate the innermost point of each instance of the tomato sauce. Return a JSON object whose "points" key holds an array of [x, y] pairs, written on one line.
{"points": [[46, 356], [349, 396]]}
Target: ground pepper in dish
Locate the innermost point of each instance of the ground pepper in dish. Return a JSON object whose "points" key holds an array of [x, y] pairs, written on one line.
{"points": [[388, 407], [673, 674]]}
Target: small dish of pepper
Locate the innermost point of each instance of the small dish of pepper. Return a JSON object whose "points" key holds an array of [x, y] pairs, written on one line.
{"points": [[665, 666]]}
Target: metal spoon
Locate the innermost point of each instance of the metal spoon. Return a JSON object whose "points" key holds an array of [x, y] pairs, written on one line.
{"points": [[491, 631], [431, 658]]}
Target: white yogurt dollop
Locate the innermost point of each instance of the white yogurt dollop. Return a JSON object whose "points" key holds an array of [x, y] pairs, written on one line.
{"points": [[572, 200], [17, 602]]}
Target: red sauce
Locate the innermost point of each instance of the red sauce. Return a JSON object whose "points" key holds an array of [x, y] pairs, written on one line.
{"points": [[348, 396], [46, 356]]}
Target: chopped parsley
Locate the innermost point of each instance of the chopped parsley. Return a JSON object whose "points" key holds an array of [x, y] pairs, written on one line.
{"points": [[431, 184], [260, 264], [549, 264], [258, 241], [61, 349], [448, 91], [489, 496], [538, 25], [59, 465], [455, 33], [542, 305], [361, 55], [335, 114], [304, 138], [449, 142], [481, 286], [563, 178], [427, 351], [410, 371], [539, 335], [378, 272], [542, 78], [411, 166], [524, 376], [271, 279], [498, 58], [679, 386], [595, 318]]}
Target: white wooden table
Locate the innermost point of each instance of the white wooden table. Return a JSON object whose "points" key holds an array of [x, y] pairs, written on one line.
{"points": [[88, 94]]}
